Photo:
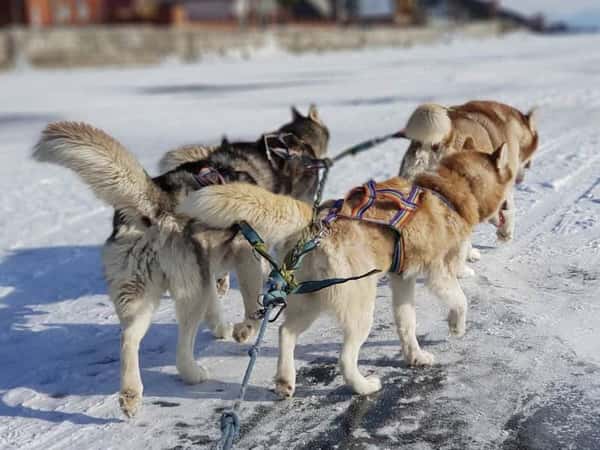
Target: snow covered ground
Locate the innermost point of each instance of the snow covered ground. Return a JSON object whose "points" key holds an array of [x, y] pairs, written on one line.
{"points": [[526, 375]]}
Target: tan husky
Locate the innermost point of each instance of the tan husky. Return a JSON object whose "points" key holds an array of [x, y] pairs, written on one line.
{"points": [[468, 188], [437, 131]]}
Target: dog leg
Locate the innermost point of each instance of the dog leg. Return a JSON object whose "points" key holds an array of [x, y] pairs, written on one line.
{"points": [[403, 294], [447, 289], [220, 328], [250, 277], [356, 319], [223, 285], [135, 311], [506, 230], [192, 309], [463, 256], [297, 320], [473, 255]]}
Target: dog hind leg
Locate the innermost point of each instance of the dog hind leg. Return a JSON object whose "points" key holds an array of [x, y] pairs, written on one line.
{"points": [[356, 319], [447, 289], [403, 293], [250, 278], [297, 320], [135, 305], [506, 230], [221, 329], [191, 308], [463, 256]]}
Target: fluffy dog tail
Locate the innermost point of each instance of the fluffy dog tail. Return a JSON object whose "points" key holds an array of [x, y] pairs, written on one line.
{"points": [[113, 173], [275, 217], [429, 123], [182, 155]]}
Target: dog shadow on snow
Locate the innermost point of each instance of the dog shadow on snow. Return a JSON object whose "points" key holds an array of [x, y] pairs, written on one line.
{"points": [[56, 360]]}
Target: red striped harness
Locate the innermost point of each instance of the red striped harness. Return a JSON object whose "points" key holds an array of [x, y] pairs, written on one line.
{"points": [[406, 205]]}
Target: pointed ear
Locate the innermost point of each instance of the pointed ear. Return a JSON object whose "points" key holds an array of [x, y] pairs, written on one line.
{"points": [[469, 145], [532, 116], [313, 113], [500, 156], [296, 114]]}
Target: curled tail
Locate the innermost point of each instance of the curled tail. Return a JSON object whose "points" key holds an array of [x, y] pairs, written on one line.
{"points": [[188, 153], [429, 123], [275, 217], [113, 173]]}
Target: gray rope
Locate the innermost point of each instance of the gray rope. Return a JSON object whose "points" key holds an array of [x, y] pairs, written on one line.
{"points": [[230, 420], [275, 295]]}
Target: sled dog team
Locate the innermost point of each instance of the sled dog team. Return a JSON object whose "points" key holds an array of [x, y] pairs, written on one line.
{"points": [[177, 232]]}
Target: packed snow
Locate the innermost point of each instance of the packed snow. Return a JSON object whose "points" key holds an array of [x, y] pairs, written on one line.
{"points": [[525, 376]]}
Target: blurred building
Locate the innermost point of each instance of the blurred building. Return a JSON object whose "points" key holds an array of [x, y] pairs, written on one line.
{"points": [[51, 12], [254, 12]]}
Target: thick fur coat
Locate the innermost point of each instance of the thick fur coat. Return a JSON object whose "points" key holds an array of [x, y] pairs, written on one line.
{"points": [[153, 248], [474, 183]]}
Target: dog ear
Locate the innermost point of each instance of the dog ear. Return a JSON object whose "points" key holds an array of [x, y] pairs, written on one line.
{"points": [[469, 145], [313, 113], [532, 119], [500, 157], [296, 114]]}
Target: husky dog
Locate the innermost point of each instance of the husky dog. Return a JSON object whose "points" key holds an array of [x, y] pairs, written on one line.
{"points": [[467, 188], [436, 131], [153, 249]]}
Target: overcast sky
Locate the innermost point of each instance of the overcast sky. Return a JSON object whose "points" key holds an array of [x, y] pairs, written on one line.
{"points": [[576, 12]]}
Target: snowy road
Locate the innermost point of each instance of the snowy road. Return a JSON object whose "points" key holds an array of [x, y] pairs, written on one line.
{"points": [[525, 376]]}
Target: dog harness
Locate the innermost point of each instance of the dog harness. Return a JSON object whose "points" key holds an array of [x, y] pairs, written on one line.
{"points": [[208, 176], [368, 209]]}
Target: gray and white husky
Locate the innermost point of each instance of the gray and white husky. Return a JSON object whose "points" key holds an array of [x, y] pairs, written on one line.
{"points": [[153, 249]]}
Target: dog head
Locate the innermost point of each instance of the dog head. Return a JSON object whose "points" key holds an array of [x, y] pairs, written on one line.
{"points": [[309, 129], [529, 143], [428, 128], [489, 177]]}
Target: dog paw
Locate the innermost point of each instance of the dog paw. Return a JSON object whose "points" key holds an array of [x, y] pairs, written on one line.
{"points": [[369, 385], [193, 373], [421, 359], [466, 272], [474, 255], [504, 235], [284, 388], [223, 286], [130, 402], [243, 331], [224, 330], [456, 323]]}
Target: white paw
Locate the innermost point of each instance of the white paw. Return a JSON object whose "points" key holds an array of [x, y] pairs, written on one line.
{"points": [[130, 401], [192, 373], [474, 255], [420, 359], [466, 272], [223, 330], [368, 385], [283, 388], [244, 331]]}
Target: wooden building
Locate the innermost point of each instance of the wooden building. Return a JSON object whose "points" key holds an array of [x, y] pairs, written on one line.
{"points": [[40, 13]]}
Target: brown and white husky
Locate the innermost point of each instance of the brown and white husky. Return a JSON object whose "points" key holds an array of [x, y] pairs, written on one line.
{"points": [[467, 188]]}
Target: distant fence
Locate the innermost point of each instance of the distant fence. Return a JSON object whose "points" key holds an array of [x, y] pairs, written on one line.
{"points": [[139, 45]]}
